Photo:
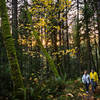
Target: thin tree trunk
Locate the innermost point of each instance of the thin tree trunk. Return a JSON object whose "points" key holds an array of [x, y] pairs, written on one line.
{"points": [[14, 22], [97, 7], [58, 17], [67, 57], [78, 37], [96, 54]]}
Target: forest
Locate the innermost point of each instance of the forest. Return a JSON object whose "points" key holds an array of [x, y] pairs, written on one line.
{"points": [[45, 46]]}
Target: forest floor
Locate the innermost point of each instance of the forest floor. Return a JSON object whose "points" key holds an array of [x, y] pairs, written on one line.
{"points": [[71, 90], [90, 95], [77, 92]]}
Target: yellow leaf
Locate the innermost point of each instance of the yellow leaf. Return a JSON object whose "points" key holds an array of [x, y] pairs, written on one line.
{"points": [[85, 94], [70, 2], [81, 89], [58, 28], [30, 78], [36, 80], [32, 74]]}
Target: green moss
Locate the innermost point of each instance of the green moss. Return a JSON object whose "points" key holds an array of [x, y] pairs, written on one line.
{"points": [[10, 48]]}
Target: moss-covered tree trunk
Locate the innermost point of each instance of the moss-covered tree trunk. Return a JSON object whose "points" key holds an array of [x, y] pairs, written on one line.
{"points": [[10, 48], [36, 35]]}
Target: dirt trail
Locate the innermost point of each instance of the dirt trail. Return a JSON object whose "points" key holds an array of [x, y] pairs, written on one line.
{"points": [[91, 96]]}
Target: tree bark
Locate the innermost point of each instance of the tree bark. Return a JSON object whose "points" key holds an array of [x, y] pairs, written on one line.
{"points": [[78, 37], [14, 22], [10, 48], [97, 7], [67, 61], [86, 19]]}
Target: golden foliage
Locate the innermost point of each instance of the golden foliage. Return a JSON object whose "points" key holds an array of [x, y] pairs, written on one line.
{"points": [[65, 52]]}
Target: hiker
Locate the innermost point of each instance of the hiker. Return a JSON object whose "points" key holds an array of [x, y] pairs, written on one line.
{"points": [[94, 79], [86, 80]]}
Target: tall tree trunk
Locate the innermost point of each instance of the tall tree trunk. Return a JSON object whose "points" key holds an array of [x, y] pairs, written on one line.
{"points": [[86, 18], [10, 48], [96, 54], [14, 21], [15, 30], [58, 17], [78, 37], [67, 57], [97, 7]]}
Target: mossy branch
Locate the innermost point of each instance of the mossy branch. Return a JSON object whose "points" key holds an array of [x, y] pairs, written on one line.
{"points": [[50, 60]]}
